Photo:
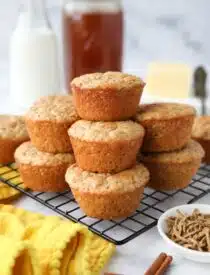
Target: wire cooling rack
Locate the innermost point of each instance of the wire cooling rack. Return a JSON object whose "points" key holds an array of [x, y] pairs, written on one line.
{"points": [[118, 231]]}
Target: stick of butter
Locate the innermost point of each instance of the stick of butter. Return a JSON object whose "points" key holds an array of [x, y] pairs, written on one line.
{"points": [[168, 80]]}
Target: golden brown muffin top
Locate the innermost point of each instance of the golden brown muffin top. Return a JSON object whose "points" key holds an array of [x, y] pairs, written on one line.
{"points": [[59, 108], [109, 80], [26, 153], [127, 180], [163, 111], [201, 128], [106, 131], [192, 151], [13, 127]]}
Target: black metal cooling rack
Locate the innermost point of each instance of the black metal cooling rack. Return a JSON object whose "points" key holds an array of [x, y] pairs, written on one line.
{"points": [[118, 231]]}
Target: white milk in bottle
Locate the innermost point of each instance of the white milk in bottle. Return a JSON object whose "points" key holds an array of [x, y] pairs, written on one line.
{"points": [[34, 70]]}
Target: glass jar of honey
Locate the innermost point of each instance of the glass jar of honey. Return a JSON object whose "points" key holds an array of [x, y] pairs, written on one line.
{"points": [[92, 37]]}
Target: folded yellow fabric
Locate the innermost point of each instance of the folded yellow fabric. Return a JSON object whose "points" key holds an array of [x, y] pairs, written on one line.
{"points": [[42, 245], [18, 258]]}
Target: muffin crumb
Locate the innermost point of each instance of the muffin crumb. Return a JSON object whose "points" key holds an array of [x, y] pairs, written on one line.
{"points": [[126, 180], [12, 127], [105, 131], [59, 108], [108, 80], [192, 151], [26, 153], [163, 111]]}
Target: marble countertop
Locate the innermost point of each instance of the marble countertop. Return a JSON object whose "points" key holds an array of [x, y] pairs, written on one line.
{"points": [[171, 31]]}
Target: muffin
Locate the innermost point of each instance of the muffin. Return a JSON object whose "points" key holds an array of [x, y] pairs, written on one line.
{"points": [[12, 133], [42, 171], [173, 170], [109, 96], [107, 196], [106, 147], [168, 126], [201, 133], [48, 121]]}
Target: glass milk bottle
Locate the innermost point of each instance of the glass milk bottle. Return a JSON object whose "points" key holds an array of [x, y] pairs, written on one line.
{"points": [[34, 70], [92, 37]]}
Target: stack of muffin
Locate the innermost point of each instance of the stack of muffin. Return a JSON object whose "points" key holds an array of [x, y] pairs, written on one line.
{"points": [[106, 180], [43, 161], [168, 152], [107, 129]]}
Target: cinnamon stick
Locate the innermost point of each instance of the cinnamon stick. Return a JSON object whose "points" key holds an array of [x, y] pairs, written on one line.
{"points": [[156, 264], [160, 265], [164, 265]]}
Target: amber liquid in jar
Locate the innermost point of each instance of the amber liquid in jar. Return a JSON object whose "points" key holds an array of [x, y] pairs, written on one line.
{"points": [[93, 42]]}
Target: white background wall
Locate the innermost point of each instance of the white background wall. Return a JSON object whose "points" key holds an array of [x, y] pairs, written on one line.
{"points": [[155, 30]]}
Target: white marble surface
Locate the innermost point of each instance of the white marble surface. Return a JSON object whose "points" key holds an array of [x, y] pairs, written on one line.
{"points": [[155, 30]]}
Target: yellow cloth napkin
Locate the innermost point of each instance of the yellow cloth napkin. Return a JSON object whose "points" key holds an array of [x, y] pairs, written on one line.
{"points": [[33, 244]]}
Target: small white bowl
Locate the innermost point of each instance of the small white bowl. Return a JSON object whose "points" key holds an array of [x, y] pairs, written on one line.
{"points": [[197, 256]]}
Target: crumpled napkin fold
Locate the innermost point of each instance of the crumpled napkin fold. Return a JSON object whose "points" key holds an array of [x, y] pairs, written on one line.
{"points": [[32, 244]]}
